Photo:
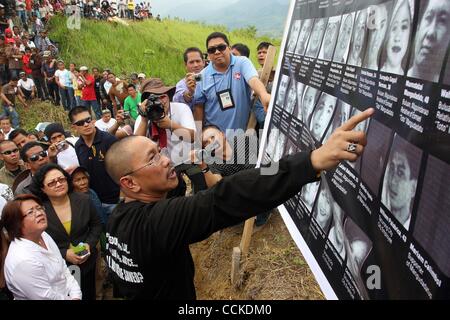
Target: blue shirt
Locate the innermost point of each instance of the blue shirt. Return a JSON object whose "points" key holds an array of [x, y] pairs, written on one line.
{"points": [[239, 73], [180, 89]]}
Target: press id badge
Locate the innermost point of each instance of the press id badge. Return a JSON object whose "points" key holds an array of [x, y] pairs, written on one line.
{"points": [[225, 99]]}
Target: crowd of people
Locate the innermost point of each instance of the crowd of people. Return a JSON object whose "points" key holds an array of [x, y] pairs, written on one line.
{"points": [[73, 204]]}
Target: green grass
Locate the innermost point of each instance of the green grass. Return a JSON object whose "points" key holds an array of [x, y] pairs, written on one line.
{"points": [[41, 112], [155, 48]]}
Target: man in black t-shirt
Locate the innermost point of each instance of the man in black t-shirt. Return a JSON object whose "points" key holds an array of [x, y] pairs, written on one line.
{"points": [[148, 236]]}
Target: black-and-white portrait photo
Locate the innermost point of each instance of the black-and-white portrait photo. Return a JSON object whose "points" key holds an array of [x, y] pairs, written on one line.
{"points": [[341, 115], [394, 55], [316, 37], [272, 142], [432, 225], [282, 89], [298, 106], [362, 126], [377, 25], [310, 96], [358, 247], [322, 115], [337, 235], [358, 42], [279, 149], [303, 37], [432, 39], [309, 193], [329, 39], [291, 98], [293, 35], [400, 180], [345, 35], [375, 154], [323, 209]]}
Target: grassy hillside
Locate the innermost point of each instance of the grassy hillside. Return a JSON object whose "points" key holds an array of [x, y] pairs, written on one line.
{"points": [[155, 48]]}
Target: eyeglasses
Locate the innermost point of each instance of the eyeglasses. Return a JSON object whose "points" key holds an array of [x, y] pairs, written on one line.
{"points": [[37, 156], [34, 211], [54, 182], [156, 160], [221, 47], [8, 152], [81, 123]]}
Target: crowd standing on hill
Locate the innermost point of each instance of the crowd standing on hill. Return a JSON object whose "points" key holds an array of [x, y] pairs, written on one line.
{"points": [[80, 203]]}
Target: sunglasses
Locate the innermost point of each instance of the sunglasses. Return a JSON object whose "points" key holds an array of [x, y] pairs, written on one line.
{"points": [[81, 123], [37, 156], [220, 47], [8, 152], [54, 182]]}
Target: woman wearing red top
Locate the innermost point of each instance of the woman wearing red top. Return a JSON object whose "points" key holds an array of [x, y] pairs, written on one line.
{"points": [[26, 60]]}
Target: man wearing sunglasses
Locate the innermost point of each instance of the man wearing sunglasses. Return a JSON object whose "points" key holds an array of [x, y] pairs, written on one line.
{"points": [[91, 149], [223, 96], [9, 154], [35, 157]]}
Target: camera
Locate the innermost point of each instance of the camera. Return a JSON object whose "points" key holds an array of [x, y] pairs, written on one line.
{"points": [[154, 109], [198, 77], [60, 146], [126, 115], [80, 250]]}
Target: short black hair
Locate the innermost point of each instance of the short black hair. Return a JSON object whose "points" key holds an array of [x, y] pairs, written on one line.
{"points": [[77, 110], [5, 118], [16, 132], [5, 142], [263, 45], [14, 78], [242, 49], [131, 86], [217, 35], [28, 146], [39, 177], [189, 50]]}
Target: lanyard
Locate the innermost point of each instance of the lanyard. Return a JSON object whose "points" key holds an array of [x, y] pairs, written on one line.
{"points": [[231, 78]]}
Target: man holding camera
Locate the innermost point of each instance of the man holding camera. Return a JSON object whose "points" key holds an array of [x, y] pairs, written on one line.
{"points": [[223, 96], [66, 156], [170, 124], [185, 89]]}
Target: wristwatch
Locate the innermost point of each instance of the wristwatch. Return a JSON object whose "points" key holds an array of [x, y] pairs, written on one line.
{"points": [[205, 170]]}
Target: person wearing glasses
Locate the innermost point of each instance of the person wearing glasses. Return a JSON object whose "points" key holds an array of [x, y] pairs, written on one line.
{"points": [[9, 154], [223, 96], [72, 219], [35, 157], [91, 149], [155, 232], [34, 267]]}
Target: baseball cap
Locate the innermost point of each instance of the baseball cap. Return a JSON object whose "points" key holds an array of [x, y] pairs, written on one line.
{"points": [[84, 68], [141, 75]]}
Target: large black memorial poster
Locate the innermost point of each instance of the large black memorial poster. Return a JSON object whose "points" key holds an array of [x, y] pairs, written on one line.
{"points": [[378, 228]]}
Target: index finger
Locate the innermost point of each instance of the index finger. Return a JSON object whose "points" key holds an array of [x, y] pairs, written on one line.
{"points": [[353, 121]]}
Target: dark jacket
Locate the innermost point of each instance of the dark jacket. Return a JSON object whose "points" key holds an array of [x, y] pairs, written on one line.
{"points": [[148, 243], [86, 226]]}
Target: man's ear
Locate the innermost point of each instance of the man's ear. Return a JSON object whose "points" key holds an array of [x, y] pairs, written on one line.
{"points": [[129, 184], [27, 165]]}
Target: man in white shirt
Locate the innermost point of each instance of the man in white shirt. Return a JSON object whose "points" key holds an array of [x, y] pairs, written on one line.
{"points": [[27, 86], [106, 121], [176, 127], [5, 125]]}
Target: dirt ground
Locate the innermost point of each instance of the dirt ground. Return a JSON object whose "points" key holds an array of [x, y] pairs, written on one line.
{"points": [[274, 269]]}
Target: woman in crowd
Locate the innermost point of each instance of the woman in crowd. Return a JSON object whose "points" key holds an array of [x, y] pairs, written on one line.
{"points": [[34, 268], [72, 220], [398, 39]]}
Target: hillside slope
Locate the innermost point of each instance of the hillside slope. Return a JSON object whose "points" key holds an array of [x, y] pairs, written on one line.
{"points": [[155, 48]]}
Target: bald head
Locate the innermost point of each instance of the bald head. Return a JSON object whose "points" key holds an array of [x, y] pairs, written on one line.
{"points": [[119, 158]]}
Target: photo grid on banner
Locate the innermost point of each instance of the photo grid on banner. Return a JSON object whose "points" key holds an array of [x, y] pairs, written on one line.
{"points": [[378, 228]]}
